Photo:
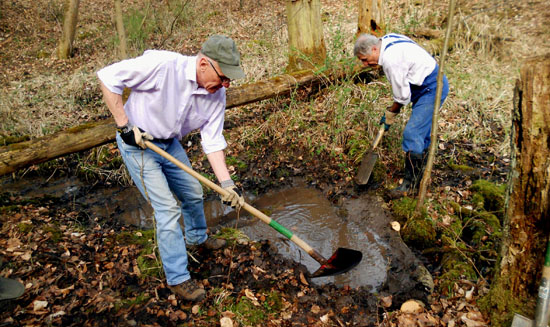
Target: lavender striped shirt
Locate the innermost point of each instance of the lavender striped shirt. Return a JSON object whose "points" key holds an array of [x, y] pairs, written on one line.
{"points": [[165, 100]]}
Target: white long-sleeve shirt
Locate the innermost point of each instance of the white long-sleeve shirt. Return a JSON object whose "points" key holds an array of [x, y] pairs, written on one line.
{"points": [[404, 63], [165, 100]]}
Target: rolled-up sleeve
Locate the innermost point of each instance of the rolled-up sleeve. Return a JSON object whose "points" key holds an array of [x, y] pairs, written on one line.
{"points": [[212, 138], [141, 73]]}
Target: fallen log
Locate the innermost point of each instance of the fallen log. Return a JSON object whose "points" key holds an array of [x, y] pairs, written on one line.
{"points": [[20, 155]]}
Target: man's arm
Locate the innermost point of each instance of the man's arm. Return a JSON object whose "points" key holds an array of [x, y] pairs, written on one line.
{"points": [[217, 161], [233, 197], [115, 105]]}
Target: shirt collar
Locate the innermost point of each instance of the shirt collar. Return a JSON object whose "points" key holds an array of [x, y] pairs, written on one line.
{"points": [[191, 75]]}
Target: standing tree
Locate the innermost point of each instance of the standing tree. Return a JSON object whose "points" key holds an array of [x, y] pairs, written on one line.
{"points": [[371, 18], [305, 34], [65, 47], [120, 30], [526, 223]]}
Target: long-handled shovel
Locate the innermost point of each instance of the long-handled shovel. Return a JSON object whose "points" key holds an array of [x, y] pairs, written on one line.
{"points": [[368, 161], [340, 262]]}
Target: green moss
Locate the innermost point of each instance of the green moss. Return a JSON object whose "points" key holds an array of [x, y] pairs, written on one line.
{"points": [[454, 229], [478, 201], [403, 208], [7, 140], [455, 267], [24, 227], [419, 232], [249, 312], [493, 195], [56, 234], [232, 235], [148, 264], [500, 304], [462, 168], [142, 237], [140, 299], [273, 302]]}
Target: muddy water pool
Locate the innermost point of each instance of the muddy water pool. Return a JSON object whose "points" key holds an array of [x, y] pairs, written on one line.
{"points": [[359, 224]]}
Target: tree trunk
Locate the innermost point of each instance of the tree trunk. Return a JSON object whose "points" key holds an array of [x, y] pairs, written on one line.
{"points": [[371, 18], [19, 155], [527, 223], [305, 35], [65, 48], [120, 30]]}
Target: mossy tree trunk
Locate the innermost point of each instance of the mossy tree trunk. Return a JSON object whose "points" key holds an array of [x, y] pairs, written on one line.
{"points": [[65, 47], [305, 35], [371, 18], [527, 223], [120, 30]]}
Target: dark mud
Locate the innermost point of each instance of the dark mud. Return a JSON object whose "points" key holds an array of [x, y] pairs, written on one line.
{"points": [[74, 257]]}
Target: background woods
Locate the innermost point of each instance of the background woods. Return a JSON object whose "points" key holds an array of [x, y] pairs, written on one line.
{"points": [[315, 125]]}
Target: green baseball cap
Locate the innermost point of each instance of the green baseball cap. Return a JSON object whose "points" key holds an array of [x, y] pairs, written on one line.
{"points": [[223, 49]]}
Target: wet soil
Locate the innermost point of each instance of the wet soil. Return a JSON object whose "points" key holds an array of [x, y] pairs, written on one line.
{"points": [[78, 259]]}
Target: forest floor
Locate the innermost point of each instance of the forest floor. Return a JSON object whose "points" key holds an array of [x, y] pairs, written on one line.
{"points": [[80, 270]]}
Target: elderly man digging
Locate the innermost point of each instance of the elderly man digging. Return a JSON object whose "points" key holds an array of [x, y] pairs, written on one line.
{"points": [[412, 72], [171, 96]]}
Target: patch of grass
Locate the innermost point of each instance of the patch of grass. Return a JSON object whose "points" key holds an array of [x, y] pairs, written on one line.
{"points": [[232, 235]]}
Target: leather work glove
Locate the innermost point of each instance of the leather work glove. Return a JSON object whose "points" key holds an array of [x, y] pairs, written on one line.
{"points": [[388, 119], [133, 135], [234, 197]]}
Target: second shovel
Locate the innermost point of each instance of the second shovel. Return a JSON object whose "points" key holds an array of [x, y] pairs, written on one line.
{"points": [[368, 161]]}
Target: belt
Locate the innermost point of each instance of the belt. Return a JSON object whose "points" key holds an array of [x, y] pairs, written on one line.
{"points": [[164, 141]]}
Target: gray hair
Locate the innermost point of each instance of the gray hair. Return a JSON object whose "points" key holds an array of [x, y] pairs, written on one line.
{"points": [[364, 44]]}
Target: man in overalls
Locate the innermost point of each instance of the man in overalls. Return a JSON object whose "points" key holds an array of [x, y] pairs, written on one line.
{"points": [[412, 72]]}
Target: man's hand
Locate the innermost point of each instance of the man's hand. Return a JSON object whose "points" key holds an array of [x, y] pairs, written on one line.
{"points": [[233, 197], [133, 135], [388, 119]]}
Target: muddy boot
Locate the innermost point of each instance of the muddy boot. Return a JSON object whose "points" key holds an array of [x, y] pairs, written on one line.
{"points": [[414, 167], [190, 290], [210, 244]]}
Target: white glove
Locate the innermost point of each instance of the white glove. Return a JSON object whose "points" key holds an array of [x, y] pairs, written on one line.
{"points": [[140, 137], [390, 117], [233, 197]]}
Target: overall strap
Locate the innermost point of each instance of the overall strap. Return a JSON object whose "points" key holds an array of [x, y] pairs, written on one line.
{"points": [[399, 41]]}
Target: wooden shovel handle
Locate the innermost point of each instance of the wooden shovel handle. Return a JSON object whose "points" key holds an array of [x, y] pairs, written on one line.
{"points": [[378, 137]]}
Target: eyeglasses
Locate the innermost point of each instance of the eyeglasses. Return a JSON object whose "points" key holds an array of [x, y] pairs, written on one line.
{"points": [[224, 79]]}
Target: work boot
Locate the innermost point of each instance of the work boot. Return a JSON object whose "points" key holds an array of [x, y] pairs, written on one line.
{"points": [[10, 288], [414, 168], [210, 244], [189, 290]]}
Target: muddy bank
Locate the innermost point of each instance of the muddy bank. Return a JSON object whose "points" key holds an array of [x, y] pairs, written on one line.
{"points": [[70, 249]]}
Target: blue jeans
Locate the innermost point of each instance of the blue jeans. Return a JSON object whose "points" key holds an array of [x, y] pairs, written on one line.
{"points": [[416, 136], [159, 180]]}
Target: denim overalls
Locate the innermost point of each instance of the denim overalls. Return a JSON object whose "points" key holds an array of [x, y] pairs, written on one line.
{"points": [[416, 136]]}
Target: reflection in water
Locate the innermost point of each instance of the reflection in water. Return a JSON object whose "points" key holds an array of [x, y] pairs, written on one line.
{"points": [[311, 217]]}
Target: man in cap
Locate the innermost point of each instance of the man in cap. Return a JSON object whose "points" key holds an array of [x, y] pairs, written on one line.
{"points": [[412, 73], [172, 95]]}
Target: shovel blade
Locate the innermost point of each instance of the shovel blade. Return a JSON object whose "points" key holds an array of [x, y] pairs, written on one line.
{"points": [[343, 260], [521, 321], [365, 170]]}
